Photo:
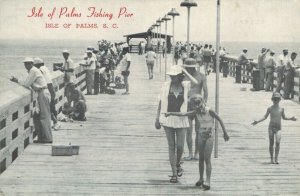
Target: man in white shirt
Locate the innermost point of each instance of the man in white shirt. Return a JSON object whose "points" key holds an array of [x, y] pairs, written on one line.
{"points": [[39, 63], [270, 67], [124, 67], [69, 74], [90, 71], [289, 74], [42, 119], [282, 62], [261, 66]]}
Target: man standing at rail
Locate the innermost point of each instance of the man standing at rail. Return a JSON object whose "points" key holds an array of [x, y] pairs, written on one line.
{"points": [[42, 117], [39, 63], [68, 69], [261, 66], [90, 71], [282, 62]]}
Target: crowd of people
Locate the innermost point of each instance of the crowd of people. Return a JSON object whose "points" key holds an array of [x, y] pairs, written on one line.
{"points": [[284, 66], [99, 66], [182, 102], [102, 64]]}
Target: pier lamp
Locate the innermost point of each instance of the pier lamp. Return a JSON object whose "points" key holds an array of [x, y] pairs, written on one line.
{"points": [[165, 18], [188, 4], [173, 13], [159, 21], [156, 37]]}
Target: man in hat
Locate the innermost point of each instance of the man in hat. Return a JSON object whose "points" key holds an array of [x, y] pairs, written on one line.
{"points": [[270, 68], [42, 118], [243, 58], [282, 62], [261, 66], [196, 88], [39, 63], [69, 74], [289, 74], [90, 65]]}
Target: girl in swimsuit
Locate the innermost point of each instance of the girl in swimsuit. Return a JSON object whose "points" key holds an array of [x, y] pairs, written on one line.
{"points": [[205, 117]]}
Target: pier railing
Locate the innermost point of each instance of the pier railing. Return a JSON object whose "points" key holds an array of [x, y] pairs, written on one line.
{"points": [[16, 111], [247, 76]]}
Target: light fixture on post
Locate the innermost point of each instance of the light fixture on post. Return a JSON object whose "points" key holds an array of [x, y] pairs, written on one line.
{"points": [[165, 18], [156, 37], [159, 21], [188, 4], [173, 13]]}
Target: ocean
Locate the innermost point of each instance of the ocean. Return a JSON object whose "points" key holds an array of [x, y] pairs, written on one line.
{"points": [[12, 52]]}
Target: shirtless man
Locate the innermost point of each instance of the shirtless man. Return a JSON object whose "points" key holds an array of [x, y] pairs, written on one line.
{"points": [[196, 88]]}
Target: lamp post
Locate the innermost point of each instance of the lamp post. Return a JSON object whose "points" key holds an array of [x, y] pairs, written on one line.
{"points": [[156, 25], [188, 4], [217, 75], [165, 18], [173, 13], [159, 21]]}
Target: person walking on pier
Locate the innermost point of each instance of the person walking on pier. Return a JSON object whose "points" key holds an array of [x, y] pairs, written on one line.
{"points": [[198, 57], [289, 74], [276, 113], [282, 62], [174, 98], [125, 62], [39, 63], [206, 59], [196, 88], [150, 60], [261, 66], [205, 118], [270, 67], [42, 116]]}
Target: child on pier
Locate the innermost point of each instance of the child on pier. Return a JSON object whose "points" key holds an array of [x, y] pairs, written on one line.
{"points": [[276, 113], [205, 117]]}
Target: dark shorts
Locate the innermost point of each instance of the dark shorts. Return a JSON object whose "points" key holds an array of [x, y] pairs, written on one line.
{"points": [[52, 108], [207, 59], [125, 73]]}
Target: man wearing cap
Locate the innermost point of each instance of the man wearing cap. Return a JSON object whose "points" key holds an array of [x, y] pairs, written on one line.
{"points": [[39, 63], [37, 82], [270, 68], [282, 62], [68, 69], [90, 71], [196, 88], [289, 74], [261, 66], [243, 59]]}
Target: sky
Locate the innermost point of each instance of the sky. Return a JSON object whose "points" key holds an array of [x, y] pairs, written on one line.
{"points": [[241, 20]]}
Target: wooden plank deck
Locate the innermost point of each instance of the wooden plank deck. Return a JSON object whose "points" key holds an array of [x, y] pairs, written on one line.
{"points": [[121, 153]]}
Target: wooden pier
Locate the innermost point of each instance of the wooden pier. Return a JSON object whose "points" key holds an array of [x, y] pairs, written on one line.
{"points": [[121, 153]]}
